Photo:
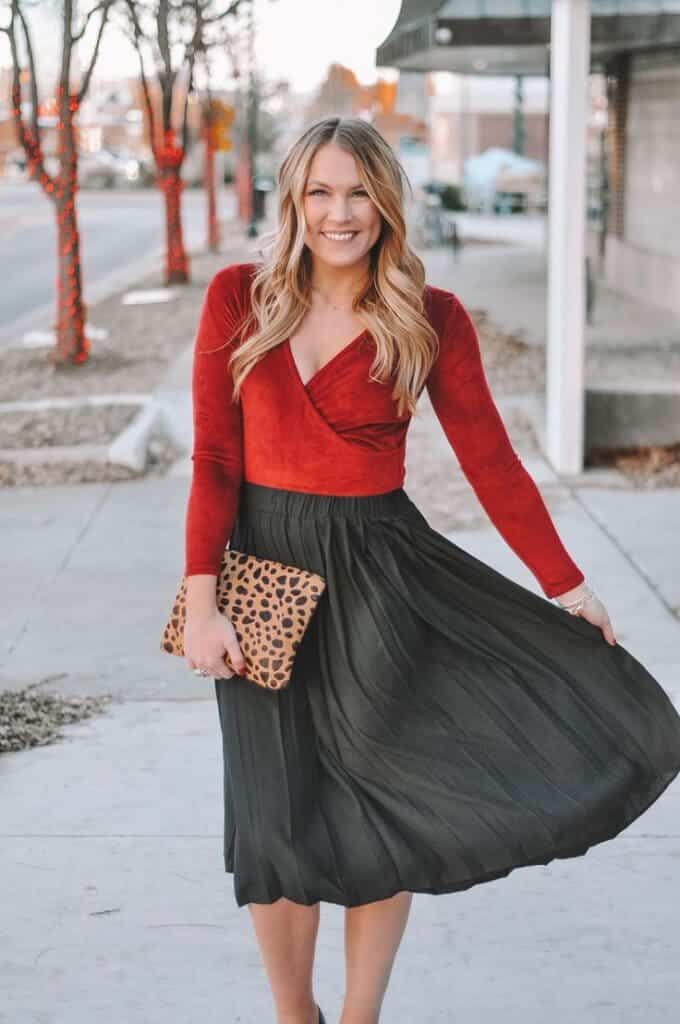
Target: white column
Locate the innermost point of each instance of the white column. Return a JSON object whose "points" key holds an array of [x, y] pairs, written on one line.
{"points": [[569, 68]]}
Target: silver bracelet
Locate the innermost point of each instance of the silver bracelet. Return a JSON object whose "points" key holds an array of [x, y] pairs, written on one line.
{"points": [[574, 607]]}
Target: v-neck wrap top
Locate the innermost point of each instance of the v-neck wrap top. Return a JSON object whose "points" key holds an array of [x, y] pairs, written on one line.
{"points": [[340, 433]]}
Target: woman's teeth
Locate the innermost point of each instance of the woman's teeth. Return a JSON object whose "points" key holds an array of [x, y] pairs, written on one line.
{"points": [[339, 236]]}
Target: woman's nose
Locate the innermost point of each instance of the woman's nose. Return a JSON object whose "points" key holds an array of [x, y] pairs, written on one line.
{"points": [[340, 209]]}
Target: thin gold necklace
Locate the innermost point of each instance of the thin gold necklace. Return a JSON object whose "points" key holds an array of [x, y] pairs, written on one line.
{"points": [[332, 305]]}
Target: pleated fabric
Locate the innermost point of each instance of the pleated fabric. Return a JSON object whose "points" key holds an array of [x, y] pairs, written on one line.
{"points": [[443, 724]]}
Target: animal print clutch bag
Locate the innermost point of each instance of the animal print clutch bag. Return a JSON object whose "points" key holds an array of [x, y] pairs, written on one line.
{"points": [[269, 605]]}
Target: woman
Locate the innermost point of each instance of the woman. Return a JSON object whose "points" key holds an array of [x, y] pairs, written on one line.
{"points": [[443, 724]]}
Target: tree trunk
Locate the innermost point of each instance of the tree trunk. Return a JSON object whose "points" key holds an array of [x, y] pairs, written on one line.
{"points": [[170, 182], [244, 190], [71, 344], [211, 193]]}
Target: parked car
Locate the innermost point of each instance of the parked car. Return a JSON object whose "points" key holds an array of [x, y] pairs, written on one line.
{"points": [[450, 195], [501, 181], [104, 169], [16, 165], [97, 170], [135, 170], [114, 169]]}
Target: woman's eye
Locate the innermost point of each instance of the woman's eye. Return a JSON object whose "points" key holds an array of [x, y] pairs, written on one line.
{"points": [[322, 192]]}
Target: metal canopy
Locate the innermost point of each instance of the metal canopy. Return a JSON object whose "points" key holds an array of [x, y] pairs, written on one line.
{"points": [[496, 37]]}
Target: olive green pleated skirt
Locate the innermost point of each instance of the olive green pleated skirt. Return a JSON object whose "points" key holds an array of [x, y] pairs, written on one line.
{"points": [[443, 724]]}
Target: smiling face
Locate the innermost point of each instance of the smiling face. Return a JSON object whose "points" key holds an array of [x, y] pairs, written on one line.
{"points": [[342, 221]]}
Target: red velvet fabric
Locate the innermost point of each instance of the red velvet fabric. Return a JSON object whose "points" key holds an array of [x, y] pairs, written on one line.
{"points": [[340, 433]]}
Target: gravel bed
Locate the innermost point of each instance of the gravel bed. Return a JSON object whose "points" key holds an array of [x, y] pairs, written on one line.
{"points": [[435, 482], [511, 364], [46, 428], [29, 718], [160, 456]]}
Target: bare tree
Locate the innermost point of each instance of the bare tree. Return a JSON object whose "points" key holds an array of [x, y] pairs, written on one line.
{"points": [[72, 345], [169, 36]]}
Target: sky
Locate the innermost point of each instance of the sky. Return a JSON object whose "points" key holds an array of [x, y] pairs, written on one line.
{"points": [[296, 40]]}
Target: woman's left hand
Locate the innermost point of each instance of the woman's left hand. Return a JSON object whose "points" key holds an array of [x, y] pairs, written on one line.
{"points": [[594, 611]]}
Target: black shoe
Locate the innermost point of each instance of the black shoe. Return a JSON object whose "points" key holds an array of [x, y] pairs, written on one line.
{"points": [[322, 1019]]}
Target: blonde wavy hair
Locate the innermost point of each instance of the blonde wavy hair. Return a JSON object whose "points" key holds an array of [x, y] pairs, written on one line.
{"points": [[391, 305]]}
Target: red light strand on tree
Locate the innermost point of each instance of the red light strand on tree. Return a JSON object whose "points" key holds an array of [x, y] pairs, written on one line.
{"points": [[62, 190], [71, 310], [169, 161]]}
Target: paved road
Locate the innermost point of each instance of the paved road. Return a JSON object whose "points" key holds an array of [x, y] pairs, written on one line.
{"points": [[122, 233]]}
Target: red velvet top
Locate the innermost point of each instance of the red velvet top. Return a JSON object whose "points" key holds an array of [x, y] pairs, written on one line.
{"points": [[340, 432]]}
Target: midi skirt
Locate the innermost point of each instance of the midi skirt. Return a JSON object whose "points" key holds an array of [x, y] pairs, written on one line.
{"points": [[443, 724]]}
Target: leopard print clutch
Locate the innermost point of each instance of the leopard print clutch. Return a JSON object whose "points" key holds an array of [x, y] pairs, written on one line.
{"points": [[269, 605]]}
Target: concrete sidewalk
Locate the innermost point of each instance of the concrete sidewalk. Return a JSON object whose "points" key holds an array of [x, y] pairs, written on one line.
{"points": [[116, 905]]}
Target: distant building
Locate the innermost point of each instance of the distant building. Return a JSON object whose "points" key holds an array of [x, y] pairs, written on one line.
{"points": [[469, 115]]}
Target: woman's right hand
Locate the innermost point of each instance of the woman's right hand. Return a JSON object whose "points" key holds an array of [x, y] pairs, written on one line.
{"points": [[206, 638]]}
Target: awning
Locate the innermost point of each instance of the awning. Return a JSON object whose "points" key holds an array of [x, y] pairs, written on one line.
{"points": [[497, 37]]}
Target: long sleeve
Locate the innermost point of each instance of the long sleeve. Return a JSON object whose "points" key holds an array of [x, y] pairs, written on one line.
{"points": [[460, 396], [217, 445]]}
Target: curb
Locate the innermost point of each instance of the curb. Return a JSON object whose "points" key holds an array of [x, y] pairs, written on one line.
{"points": [[131, 446]]}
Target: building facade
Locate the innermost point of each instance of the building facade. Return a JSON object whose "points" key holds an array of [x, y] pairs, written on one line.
{"points": [[642, 252], [635, 48]]}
